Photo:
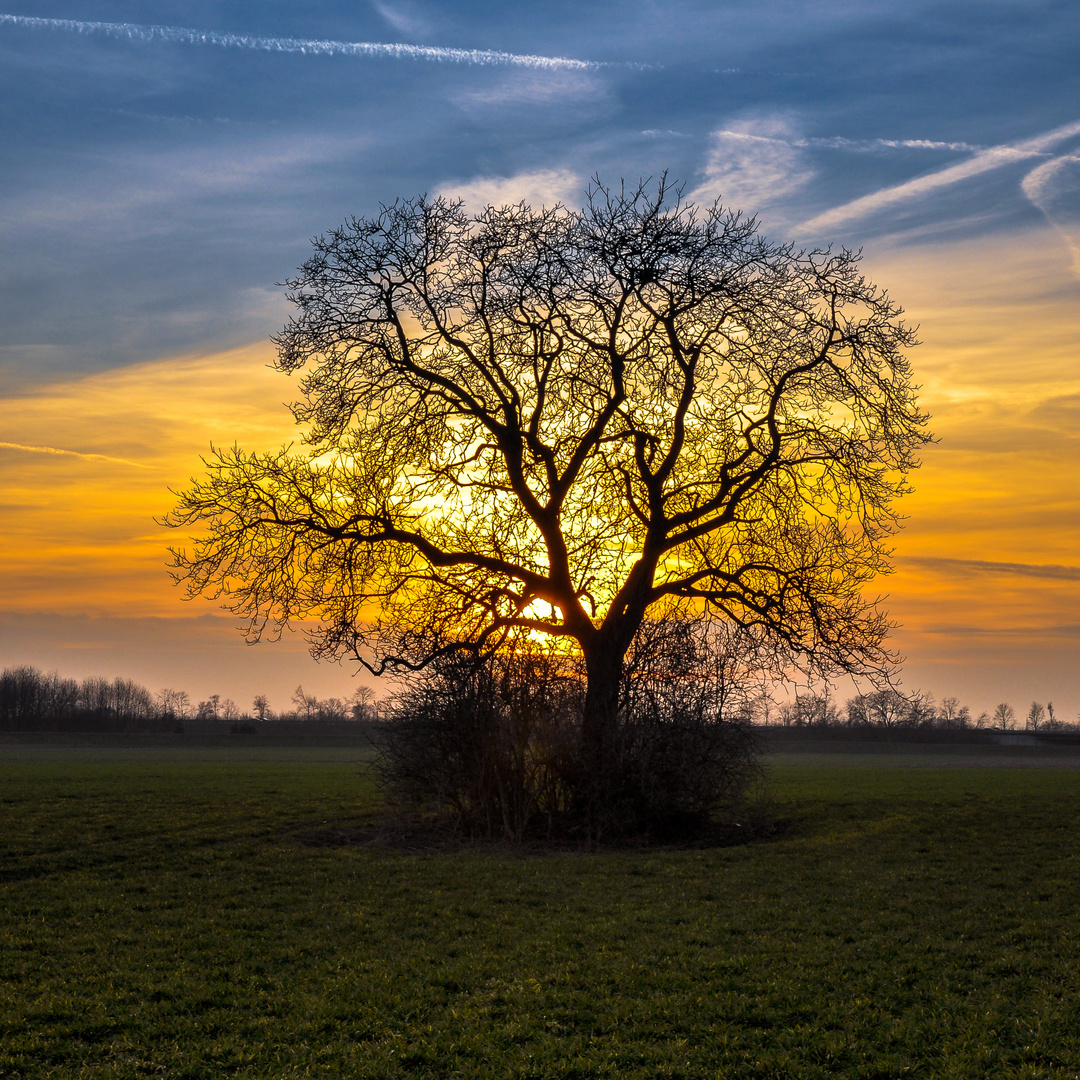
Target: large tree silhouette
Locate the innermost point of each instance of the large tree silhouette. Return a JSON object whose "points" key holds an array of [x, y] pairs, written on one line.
{"points": [[554, 421]]}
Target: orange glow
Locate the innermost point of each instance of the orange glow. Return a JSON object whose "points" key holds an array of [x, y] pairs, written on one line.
{"points": [[988, 568], [88, 465], [988, 572]]}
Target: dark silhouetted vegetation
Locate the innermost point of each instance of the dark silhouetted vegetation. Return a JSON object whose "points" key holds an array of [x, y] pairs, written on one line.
{"points": [[891, 710], [559, 424], [29, 698], [495, 743]]}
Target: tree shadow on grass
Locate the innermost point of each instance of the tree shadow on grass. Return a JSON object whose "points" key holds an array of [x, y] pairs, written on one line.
{"points": [[440, 836]]}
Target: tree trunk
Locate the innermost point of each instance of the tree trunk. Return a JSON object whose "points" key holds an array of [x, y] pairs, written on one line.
{"points": [[604, 659], [603, 670], [605, 655]]}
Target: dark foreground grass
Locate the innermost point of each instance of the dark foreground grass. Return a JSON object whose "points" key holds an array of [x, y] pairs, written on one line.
{"points": [[158, 917]]}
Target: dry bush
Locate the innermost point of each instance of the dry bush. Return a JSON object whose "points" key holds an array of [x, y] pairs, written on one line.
{"points": [[493, 746], [485, 742]]}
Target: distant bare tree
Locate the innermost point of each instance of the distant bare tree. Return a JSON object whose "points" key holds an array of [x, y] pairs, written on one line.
{"points": [[30, 698], [951, 714], [922, 709], [882, 708], [331, 709], [1052, 722], [1036, 714], [764, 708], [809, 708], [173, 704], [1004, 716], [209, 709], [361, 704], [307, 705], [260, 707]]}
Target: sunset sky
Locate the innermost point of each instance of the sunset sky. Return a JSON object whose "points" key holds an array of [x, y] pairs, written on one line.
{"points": [[165, 163]]}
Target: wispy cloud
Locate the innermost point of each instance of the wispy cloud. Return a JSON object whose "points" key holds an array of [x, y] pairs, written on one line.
{"points": [[404, 18], [979, 566], [184, 36], [542, 88], [126, 190], [70, 453], [1054, 187], [993, 157], [758, 163], [839, 142], [544, 187]]}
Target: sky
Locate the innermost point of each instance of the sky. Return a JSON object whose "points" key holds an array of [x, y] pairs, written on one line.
{"points": [[164, 164]]}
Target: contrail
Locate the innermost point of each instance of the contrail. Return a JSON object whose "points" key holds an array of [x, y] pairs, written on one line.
{"points": [[838, 142], [183, 36], [70, 453], [993, 157]]}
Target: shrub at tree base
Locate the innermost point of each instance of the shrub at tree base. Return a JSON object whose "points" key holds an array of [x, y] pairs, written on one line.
{"points": [[492, 748]]}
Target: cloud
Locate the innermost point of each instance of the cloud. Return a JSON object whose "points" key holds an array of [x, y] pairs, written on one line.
{"points": [[112, 193], [979, 566], [542, 188], [984, 161], [1055, 189], [70, 453], [543, 88], [83, 535], [404, 18], [756, 163], [183, 36], [760, 162]]}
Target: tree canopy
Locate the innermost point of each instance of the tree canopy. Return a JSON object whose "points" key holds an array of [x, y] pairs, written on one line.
{"points": [[554, 421]]}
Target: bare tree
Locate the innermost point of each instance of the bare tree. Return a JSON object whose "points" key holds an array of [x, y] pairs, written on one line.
{"points": [[952, 714], [808, 709], [885, 708], [553, 422], [307, 705], [331, 709], [1004, 716], [209, 709], [1036, 714], [173, 704], [362, 703], [260, 706]]}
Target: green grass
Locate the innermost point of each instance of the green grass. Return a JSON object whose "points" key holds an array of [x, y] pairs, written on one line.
{"points": [[159, 918]]}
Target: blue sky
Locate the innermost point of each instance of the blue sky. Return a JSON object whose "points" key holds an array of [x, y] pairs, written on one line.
{"points": [[156, 183], [154, 190]]}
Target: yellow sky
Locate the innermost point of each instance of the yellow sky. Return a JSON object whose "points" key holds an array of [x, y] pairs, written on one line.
{"points": [[988, 573], [85, 467]]}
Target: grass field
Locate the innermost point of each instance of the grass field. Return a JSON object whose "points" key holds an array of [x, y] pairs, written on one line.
{"points": [[160, 917]]}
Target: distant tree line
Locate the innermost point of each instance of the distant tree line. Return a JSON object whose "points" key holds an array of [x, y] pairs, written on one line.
{"points": [[892, 709], [31, 699]]}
